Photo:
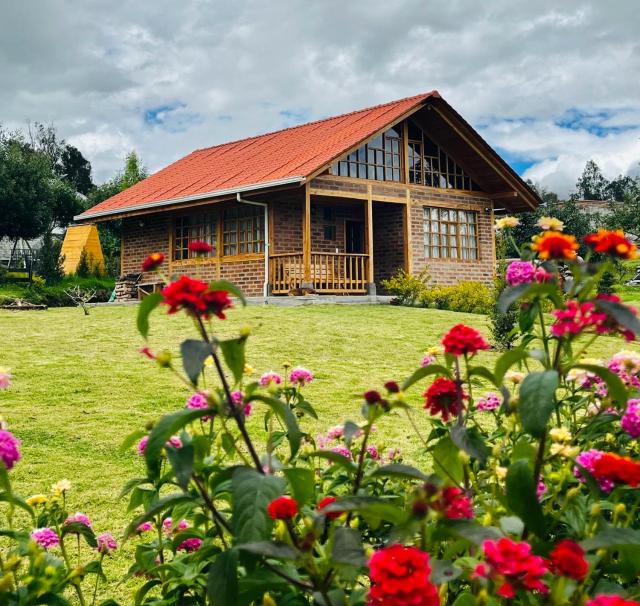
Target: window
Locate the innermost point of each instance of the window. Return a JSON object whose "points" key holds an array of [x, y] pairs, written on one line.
{"points": [[243, 231], [189, 228], [450, 234], [329, 232], [379, 159]]}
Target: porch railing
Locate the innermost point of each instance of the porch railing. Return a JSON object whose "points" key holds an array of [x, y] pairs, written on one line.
{"points": [[337, 273]]}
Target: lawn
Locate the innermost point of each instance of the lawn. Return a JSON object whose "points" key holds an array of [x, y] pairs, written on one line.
{"points": [[80, 385]]}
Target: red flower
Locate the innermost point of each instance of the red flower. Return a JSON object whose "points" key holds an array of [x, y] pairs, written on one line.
{"points": [[614, 467], [282, 508], [199, 248], [153, 261], [400, 577], [454, 504], [611, 600], [555, 245], [146, 351], [611, 243], [195, 298], [392, 387], [567, 560], [463, 339], [610, 324], [513, 566], [372, 397], [444, 396], [325, 502]]}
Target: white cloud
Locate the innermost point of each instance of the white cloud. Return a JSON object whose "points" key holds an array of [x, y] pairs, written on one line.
{"points": [[512, 67]]}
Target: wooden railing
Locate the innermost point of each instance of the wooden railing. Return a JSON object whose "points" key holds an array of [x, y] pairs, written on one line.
{"points": [[329, 272]]}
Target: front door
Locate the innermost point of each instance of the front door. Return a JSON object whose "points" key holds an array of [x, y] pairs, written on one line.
{"points": [[354, 235]]}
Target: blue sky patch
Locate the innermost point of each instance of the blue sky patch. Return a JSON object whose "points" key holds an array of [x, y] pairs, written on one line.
{"points": [[592, 122], [172, 117]]}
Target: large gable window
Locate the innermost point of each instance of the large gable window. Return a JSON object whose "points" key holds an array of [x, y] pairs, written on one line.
{"points": [[243, 231], [380, 159], [450, 234], [190, 228]]}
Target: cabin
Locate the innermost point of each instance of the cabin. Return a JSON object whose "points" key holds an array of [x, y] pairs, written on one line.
{"points": [[331, 207]]}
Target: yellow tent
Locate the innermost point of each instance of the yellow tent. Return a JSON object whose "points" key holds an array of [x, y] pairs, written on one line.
{"points": [[77, 239]]}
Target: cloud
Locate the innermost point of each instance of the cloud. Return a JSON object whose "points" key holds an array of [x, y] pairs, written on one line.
{"points": [[550, 84]]}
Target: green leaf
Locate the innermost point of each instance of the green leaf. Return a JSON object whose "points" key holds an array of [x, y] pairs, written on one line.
{"points": [[252, 492], [471, 531], [271, 549], [484, 373], [336, 458], [347, 547], [194, 353], [421, 373], [443, 571], [506, 361], [80, 529], [510, 295], [612, 538], [147, 305], [131, 439], [399, 470], [465, 599], [222, 586], [372, 506], [447, 460], [230, 288], [233, 352], [470, 440], [163, 504], [302, 482], [181, 460], [615, 387], [14, 499], [350, 430], [260, 581], [51, 599], [287, 416], [537, 400], [621, 314], [522, 498]]}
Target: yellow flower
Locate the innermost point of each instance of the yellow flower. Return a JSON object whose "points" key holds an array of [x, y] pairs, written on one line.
{"points": [[436, 350], [515, 376], [564, 450], [550, 224], [248, 369], [209, 362], [501, 472], [37, 499], [507, 223], [61, 487], [560, 434]]}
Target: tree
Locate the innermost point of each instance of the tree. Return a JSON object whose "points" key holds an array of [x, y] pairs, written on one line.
{"points": [[625, 215], [50, 261], [592, 184], [134, 171], [76, 169]]}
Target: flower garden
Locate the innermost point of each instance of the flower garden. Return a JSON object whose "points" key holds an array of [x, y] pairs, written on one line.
{"points": [[526, 488]]}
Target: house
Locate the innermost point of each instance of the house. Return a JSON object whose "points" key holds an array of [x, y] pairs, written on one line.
{"points": [[336, 205]]}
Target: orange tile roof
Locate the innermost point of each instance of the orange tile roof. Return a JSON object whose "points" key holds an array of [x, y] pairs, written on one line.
{"points": [[289, 154]]}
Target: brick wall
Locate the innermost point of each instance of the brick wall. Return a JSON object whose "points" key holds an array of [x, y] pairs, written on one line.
{"points": [[140, 237], [388, 239], [286, 222]]}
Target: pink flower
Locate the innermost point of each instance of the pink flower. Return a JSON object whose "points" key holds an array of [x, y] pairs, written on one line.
{"points": [[9, 452], [167, 524], [427, 359], [237, 397], [270, 378], [142, 444], [145, 527], [587, 460], [541, 490], [45, 537], [335, 432], [173, 442], [198, 400], [520, 272], [5, 378], [391, 454], [630, 421], [342, 450], [79, 517], [490, 401], [190, 545], [106, 543], [301, 376], [372, 451]]}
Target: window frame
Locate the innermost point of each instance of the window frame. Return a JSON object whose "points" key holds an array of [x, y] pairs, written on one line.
{"points": [[244, 215], [206, 227], [463, 229]]}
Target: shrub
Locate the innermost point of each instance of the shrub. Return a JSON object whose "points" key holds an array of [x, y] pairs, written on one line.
{"points": [[467, 297], [405, 287], [502, 323], [49, 264], [85, 265]]}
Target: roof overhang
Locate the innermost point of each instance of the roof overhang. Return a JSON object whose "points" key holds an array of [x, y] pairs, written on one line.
{"points": [[115, 213]]}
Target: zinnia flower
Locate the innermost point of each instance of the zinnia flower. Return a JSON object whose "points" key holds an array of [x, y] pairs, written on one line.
{"points": [[153, 261], [342, 450], [197, 247], [301, 376], [5, 378], [550, 224], [587, 460], [270, 378], [463, 339], [611, 600], [555, 245], [9, 451], [195, 298], [45, 537], [490, 401], [506, 223], [80, 518], [512, 564], [282, 508], [400, 577], [199, 400], [325, 502], [444, 397], [454, 504], [190, 545], [167, 525], [567, 560], [520, 272], [106, 543], [630, 421], [616, 468], [613, 243], [61, 486]]}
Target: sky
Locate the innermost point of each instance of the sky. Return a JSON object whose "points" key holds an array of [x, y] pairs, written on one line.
{"points": [[549, 84]]}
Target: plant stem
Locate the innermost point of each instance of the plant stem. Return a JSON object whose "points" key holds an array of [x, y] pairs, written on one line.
{"points": [[218, 520], [95, 589], [75, 582]]}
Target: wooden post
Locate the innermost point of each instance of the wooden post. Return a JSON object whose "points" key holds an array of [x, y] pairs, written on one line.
{"points": [[369, 234], [408, 247], [306, 235]]}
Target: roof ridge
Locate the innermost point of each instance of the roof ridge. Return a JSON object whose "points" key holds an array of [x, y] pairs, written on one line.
{"points": [[433, 93]]}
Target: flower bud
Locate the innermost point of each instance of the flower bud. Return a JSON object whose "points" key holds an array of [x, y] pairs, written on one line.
{"points": [[595, 510], [619, 509], [463, 456], [482, 597], [372, 397], [280, 531], [354, 523], [164, 359], [572, 493], [267, 600], [601, 553], [245, 331], [6, 583], [420, 509], [392, 387]]}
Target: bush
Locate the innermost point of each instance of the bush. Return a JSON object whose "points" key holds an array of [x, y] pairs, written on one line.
{"points": [[85, 265], [54, 295], [49, 264], [405, 287], [502, 323], [467, 297]]}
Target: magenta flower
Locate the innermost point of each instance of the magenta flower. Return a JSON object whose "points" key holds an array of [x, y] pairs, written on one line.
{"points": [[270, 378], [427, 359], [587, 460], [372, 451], [541, 490], [79, 517], [490, 401], [630, 421], [190, 545], [45, 537], [167, 524], [392, 454], [5, 378], [9, 452], [301, 376], [142, 444], [237, 397], [520, 272], [335, 432], [106, 543], [145, 527], [174, 442], [342, 450], [198, 400]]}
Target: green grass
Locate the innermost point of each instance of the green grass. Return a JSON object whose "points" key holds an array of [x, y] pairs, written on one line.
{"points": [[80, 386]]}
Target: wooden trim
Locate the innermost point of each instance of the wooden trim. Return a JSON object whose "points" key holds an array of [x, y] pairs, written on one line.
{"points": [[171, 222], [331, 193], [493, 243], [369, 233], [503, 195], [405, 152], [306, 233], [122, 250], [407, 244], [217, 260]]}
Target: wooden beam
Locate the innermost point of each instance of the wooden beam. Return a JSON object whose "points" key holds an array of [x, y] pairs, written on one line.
{"points": [[306, 233], [332, 193], [369, 233], [407, 244], [503, 195]]}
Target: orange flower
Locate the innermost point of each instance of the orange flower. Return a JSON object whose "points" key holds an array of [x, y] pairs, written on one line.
{"points": [[611, 243], [555, 245], [617, 468]]}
